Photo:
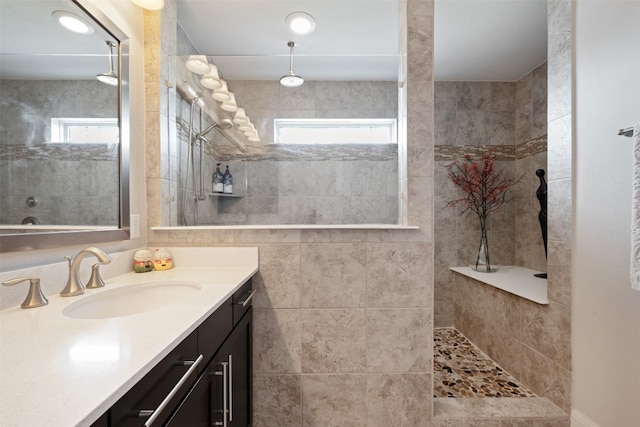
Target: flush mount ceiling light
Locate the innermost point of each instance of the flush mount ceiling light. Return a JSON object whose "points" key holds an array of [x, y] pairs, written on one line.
{"points": [[291, 79], [300, 23], [197, 64], [110, 77], [73, 22], [150, 4]]}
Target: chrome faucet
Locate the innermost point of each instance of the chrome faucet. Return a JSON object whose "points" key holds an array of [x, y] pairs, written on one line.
{"points": [[74, 285]]}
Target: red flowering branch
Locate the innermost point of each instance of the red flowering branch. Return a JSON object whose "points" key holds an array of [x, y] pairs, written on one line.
{"points": [[484, 187]]}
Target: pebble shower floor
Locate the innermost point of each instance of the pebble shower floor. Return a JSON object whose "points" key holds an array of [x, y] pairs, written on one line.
{"points": [[462, 370]]}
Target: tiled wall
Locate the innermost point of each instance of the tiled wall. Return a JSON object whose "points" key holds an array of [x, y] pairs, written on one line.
{"points": [[343, 318], [294, 184], [57, 175], [507, 118]]}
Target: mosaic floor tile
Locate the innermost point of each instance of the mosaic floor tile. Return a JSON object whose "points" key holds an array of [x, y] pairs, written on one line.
{"points": [[463, 370]]}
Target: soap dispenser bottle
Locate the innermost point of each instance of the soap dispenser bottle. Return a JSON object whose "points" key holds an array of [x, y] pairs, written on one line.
{"points": [[228, 182], [217, 180]]}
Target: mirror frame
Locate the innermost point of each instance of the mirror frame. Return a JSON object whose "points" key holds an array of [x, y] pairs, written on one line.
{"points": [[80, 235]]}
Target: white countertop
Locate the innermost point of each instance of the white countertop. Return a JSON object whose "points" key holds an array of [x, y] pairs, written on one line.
{"points": [[57, 370], [513, 279]]}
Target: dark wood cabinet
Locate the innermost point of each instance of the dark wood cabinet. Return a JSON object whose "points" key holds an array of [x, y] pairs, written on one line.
{"points": [[230, 373], [204, 381]]}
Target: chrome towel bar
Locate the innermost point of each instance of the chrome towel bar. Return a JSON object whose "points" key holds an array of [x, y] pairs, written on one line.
{"points": [[626, 132]]}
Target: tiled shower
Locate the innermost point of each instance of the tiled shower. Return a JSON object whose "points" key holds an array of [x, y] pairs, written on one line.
{"points": [[40, 179]]}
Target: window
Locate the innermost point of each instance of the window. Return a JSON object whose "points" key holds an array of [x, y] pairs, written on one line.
{"points": [[77, 130], [335, 131]]}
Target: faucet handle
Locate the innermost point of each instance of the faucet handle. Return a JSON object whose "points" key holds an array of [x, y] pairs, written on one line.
{"points": [[95, 281], [35, 297]]}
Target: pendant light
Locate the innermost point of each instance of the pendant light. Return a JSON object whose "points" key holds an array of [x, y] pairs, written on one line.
{"points": [[110, 77], [291, 79]]}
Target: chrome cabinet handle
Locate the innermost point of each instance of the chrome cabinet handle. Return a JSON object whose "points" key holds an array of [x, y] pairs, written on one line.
{"points": [[225, 397], [153, 415], [230, 389], [248, 298]]}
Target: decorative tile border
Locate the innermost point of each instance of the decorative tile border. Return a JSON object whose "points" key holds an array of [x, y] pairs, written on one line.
{"points": [[69, 152], [448, 153]]}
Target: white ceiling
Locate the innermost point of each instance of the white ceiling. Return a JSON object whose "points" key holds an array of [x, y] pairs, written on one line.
{"points": [[358, 39], [354, 39]]}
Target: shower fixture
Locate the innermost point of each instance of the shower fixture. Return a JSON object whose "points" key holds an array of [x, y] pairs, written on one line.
{"points": [[186, 91], [291, 79], [110, 77]]}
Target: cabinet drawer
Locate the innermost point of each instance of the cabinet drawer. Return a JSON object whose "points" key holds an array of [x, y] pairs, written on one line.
{"points": [[150, 391], [242, 300], [213, 331]]}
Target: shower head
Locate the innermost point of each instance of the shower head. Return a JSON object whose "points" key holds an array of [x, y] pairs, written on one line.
{"points": [[189, 94]]}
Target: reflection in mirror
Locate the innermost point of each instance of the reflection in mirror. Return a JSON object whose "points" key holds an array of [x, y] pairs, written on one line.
{"points": [[63, 126], [351, 78]]}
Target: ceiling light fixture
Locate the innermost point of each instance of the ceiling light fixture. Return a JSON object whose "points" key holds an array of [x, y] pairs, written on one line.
{"points": [[197, 64], [241, 117], [73, 22], [221, 94], [150, 4], [110, 77], [291, 79], [211, 79], [300, 23], [230, 105]]}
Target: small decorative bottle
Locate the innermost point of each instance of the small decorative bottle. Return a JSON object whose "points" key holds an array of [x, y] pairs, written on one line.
{"points": [[217, 180], [228, 182]]}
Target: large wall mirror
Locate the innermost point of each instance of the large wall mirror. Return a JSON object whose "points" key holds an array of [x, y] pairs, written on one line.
{"points": [[350, 65], [64, 125]]}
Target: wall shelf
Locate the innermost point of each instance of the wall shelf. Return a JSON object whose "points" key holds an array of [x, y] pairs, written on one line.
{"points": [[516, 280], [225, 195]]}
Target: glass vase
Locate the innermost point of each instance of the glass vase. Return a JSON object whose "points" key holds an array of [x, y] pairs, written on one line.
{"points": [[483, 261]]}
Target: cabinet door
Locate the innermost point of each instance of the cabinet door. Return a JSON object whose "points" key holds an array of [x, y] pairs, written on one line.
{"points": [[194, 410], [231, 378]]}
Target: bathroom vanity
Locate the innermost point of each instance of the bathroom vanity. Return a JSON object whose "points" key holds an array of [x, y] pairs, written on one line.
{"points": [[160, 348]]}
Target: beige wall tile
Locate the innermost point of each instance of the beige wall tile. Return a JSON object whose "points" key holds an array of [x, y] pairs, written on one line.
{"points": [[277, 341], [333, 340], [334, 400], [546, 379], [398, 399], [277, 397], [399, 275], [547, 328], [278, 281], [399, 340], [333, 274]]}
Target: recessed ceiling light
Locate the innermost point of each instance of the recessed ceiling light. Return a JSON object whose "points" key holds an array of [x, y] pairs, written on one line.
{"points": [[300, 23], [73, 22]]}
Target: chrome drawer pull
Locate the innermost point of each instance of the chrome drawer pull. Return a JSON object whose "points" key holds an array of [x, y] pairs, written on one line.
{"points": [[230, 389], [225, 397], [156, 413], [247, 299]]}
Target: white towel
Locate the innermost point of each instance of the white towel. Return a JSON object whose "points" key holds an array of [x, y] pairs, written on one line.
{"points": [[635, 211]]}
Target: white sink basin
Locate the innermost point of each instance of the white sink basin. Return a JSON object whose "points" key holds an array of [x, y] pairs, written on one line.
{"points": [[130, 299]]}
